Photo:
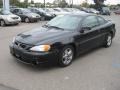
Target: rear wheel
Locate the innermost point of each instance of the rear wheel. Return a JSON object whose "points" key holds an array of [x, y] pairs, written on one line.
{"points": [[108, 40], [2, 23], [66, 56]]}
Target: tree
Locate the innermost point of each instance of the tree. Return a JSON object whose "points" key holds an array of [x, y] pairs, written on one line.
{"points": [[99, 4], [1, 3], [99, 1], [60, 3], [14, 2], [85, 4], [32, 2]]}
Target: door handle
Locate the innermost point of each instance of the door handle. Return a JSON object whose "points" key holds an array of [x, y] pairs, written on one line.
{"points": [[99, 30]]}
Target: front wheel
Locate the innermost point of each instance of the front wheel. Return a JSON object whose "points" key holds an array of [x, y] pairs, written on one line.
{"points": [[27, 20], [2, 23], [108, 40], [66, 56]]}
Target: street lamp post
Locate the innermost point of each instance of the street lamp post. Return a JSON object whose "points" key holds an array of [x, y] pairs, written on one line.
{"points": [[6, 5], [44, 4]]}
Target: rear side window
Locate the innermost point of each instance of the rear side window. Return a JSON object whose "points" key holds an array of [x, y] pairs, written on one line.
{"points": [[101, 20], [90, 21], [15, 11]]}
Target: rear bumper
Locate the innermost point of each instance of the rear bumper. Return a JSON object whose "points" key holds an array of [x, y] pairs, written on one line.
{"points": [[33, 57]]}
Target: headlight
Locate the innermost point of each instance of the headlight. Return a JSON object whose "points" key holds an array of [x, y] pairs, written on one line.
{"points": [[43, 48], [48, 14], [33, 16], [13, 40], [9, 19]]}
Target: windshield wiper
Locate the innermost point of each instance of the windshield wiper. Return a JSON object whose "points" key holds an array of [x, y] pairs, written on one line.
{"points": [[56, 27], [48, 26], [45, 25]]}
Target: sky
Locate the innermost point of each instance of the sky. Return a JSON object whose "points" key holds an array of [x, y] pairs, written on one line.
{"points": [[80, 1]]}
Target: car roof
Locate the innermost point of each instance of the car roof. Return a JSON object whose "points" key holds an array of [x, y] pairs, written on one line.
{"points": [[21, 8], [81, 14]]}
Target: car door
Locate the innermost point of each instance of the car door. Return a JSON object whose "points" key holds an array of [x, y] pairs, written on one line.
{"points": [[21, 14], [90, 37], [103, 27], [0, 15]]}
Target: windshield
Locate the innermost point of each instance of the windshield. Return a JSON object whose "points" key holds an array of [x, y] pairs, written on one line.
{"points": [[49, 10], [26, 11], [65, 10], [68, 22], [106, 8], [41, 10], [57, 10]]}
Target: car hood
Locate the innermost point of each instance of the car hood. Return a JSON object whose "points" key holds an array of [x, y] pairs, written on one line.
{"points": [[10, 15], [60, 13], [41, 36]]}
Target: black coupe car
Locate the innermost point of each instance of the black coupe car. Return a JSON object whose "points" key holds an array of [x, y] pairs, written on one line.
{"points": [[62, 39]]}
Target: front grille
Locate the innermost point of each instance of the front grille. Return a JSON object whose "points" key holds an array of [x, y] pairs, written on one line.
{"points": [[22, 45], [37, 16], [15, 17]]}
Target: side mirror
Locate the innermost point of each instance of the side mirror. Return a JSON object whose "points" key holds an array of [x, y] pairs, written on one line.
{"points": [[83, 29]]}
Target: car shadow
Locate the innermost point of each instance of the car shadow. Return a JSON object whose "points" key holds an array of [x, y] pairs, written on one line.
{"points": [[36, 68], [12, 25], [93, 50]]}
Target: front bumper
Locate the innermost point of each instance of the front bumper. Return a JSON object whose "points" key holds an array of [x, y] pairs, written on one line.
{"points": [[12, 22], [33, 57]]}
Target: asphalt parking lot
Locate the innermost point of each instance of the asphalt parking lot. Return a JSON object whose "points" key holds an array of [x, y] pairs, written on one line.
{"points": [[97, 70]]}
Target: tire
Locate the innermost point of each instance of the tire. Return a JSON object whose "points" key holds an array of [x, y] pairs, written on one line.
{"points": [[2, 23], [27, 20], [108, 40], [66, 56], [42, 18]]}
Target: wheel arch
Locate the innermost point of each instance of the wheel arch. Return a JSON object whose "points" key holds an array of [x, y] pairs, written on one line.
{"points": [[74, 47]]}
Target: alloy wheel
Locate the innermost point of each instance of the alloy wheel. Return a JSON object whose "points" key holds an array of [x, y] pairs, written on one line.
{"points": [[2, 23], [109, 40], [27, 20], [67, 56]]}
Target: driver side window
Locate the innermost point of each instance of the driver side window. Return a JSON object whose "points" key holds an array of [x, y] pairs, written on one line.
{"points": [[20, 12], [90, 21]]}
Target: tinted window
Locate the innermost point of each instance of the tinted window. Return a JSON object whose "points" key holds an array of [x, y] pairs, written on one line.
{"points": [[32, 10], [65, 22], [90, 21], [101, 20], [26, 11], [15, 11]]}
